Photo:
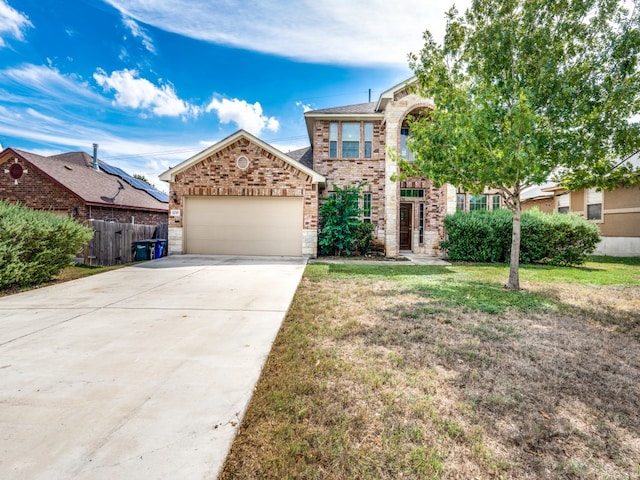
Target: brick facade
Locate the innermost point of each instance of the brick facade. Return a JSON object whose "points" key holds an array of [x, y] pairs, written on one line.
{"points": [[267, 175], [351, 171], [380, 171], [214, 172], [35, 190]]}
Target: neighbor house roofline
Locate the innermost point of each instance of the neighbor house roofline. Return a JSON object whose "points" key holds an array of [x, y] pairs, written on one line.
{"points": [[169, 175], [94, 178]]}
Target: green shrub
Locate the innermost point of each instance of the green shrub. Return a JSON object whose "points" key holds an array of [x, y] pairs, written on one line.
{"points": [[485, 236], [36, 245], [341, 230], [364, 237], [480, 236]]}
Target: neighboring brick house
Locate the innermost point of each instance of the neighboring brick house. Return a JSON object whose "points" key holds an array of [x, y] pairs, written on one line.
{"points": [[348, 147], [616, 212], [75, 184]]}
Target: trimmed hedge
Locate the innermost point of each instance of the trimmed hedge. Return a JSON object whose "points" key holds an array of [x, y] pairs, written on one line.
{"points": [[36, 245], [485, 236]]}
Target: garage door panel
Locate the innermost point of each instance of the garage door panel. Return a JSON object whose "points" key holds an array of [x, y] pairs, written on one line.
{"points": [[243, 225]]}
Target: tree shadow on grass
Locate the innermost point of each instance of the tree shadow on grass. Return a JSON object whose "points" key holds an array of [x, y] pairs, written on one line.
{"points": [[385, 269]]}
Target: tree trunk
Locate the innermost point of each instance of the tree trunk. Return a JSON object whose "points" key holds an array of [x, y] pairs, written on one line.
{"points": [[514, 265]]}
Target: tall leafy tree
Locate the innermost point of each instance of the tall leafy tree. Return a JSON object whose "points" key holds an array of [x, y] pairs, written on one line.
{"points": [[528, 89]]}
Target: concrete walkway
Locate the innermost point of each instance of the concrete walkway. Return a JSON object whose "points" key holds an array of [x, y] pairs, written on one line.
{"points": [[139, 373]]}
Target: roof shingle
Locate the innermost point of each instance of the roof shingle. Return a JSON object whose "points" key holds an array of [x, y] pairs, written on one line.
{"points": [[358, 108], [74, 171], [303, 156]]}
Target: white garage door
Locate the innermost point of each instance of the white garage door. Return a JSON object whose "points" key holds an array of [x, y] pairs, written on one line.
{"points": [[243, 225]]}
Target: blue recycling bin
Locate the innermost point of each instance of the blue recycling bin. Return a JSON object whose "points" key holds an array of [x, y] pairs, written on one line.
{"points": [[161, 248]]}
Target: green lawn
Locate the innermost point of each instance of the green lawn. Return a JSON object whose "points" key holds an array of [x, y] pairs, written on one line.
{"points": [[399, 371]]}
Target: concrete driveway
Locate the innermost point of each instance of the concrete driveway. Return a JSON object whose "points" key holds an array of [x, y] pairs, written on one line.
{"points": [[139, 373]]}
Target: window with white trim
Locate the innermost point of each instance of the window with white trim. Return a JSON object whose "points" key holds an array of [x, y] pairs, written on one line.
{"points": [[405, 152], [496, 202], [594, 204], [563, 203], [368, 139], [412, 192], [461, 200], [478, 202], [333, 140], [350, 140], [366, 207]]}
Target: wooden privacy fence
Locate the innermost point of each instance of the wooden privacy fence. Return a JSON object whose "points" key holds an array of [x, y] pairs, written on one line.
{"points": [[111, 243]]}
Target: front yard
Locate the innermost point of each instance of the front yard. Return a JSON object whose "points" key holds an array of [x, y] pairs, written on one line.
{"points": [[398, 371]]}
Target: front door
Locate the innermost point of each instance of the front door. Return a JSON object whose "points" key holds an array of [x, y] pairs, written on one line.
{"points": [[405, 226]]}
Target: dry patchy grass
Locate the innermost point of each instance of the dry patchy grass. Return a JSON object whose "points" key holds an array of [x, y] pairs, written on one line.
{"points": [[423, 372]]}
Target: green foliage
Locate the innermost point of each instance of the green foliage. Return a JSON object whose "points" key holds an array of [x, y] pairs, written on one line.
{"points": [[524, 89], [144, 179], [363, 237], [558, 239], [481, 236], [341, 230], [36, 245]]}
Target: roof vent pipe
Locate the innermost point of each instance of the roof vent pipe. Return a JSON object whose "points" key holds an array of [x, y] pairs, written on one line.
{"points": [[95, 157]]}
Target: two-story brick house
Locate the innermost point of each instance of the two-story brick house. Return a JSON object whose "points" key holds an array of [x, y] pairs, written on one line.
{"points": [[242, 196], [352, 144]]}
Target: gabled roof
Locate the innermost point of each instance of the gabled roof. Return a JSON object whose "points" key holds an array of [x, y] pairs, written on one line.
{"points": [[169, 175], [536, 192], [387, 96], [73, 171], [304, 156], [357, 109]]}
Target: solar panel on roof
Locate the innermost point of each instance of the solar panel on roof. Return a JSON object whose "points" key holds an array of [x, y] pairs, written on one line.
{"points": [[134, 182]]}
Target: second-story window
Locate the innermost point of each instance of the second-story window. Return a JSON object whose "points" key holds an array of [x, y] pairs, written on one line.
{"points": [[333, 140], [350, 140], [404, 147], [368, 140]]}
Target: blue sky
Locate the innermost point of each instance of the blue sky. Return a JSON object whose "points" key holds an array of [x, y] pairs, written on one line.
{"points": [[154, 82]]}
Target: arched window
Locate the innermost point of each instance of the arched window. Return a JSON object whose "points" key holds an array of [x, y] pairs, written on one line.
{"points": [[405, 132]]}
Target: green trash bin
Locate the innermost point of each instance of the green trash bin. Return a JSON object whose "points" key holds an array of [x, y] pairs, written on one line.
{"points": [[143, 250]]}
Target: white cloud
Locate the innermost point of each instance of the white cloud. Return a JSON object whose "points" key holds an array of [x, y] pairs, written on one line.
{"points": [[247, 116], [306, 107], [354, 32], [39, 84], [12, 23], [140, 93], [121, 149], [139, 32]]}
